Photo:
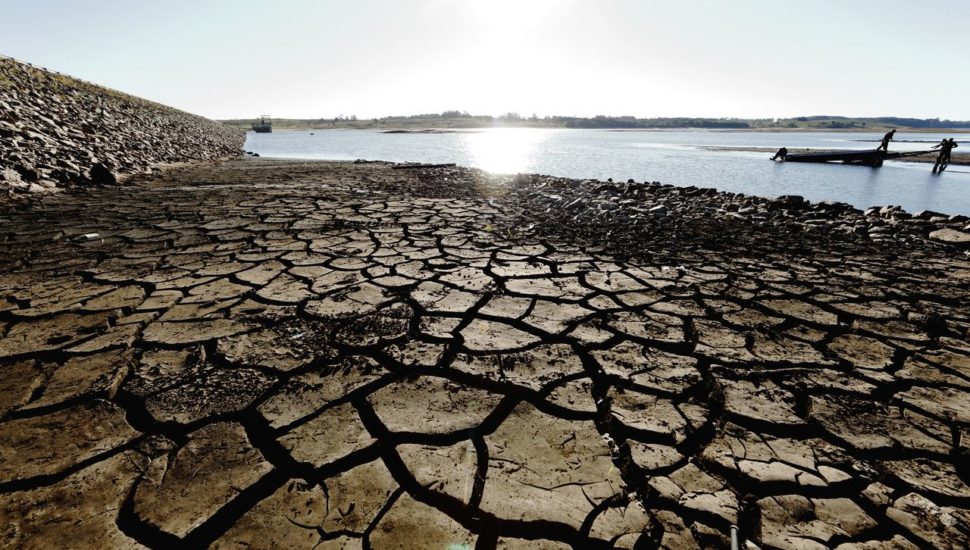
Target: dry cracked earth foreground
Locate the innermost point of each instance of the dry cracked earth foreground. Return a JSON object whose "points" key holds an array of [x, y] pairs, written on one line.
{"points": [[268, 354]]}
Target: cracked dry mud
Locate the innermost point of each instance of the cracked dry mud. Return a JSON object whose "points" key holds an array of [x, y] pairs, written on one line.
{"points": [[334, 355]]}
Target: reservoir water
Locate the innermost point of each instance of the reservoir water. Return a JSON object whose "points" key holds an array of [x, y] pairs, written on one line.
{"points": [[681, 157]]}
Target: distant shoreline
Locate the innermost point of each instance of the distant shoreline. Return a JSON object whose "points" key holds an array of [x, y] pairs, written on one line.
{"points": [[453, 120], [467, 129]]}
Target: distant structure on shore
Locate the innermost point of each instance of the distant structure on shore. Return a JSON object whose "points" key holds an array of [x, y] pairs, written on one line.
{"points": [[264, 125]]}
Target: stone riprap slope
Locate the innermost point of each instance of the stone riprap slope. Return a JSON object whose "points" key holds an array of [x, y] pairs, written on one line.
{"points": [[56, 131], [333, 355]]}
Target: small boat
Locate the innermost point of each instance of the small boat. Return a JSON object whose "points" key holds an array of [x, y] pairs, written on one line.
{"points": [[264, 125], [869, 157]]}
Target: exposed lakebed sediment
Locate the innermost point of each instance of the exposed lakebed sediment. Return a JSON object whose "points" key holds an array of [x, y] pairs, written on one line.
{"points": [[311, 354]]}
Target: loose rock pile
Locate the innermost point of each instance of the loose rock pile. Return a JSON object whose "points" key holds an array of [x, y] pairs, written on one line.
{"points": [[622, 214], [56, 131]]}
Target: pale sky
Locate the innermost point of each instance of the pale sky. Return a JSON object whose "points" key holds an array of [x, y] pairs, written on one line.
{"points": [[323, 58]]}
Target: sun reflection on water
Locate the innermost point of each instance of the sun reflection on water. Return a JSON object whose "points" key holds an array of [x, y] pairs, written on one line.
{"points": [[504, 150]]}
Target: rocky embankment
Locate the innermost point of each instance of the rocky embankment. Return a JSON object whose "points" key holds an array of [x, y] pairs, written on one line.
{"points": [[56, 131]]}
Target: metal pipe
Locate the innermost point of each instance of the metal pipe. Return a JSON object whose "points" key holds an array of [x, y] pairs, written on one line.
{"points": [[735, 544]]}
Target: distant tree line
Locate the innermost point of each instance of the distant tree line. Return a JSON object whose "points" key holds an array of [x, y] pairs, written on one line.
{"points": [[463, 119], [445, 114], [850, 122], [601, 121], [923, 122]]}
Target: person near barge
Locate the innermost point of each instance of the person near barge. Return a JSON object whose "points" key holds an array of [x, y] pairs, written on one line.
{"points": [[945, 147], [884, 144]]}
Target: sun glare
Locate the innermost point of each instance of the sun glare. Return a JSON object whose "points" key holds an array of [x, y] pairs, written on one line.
{"points": [[497, 14], [505, 150]]}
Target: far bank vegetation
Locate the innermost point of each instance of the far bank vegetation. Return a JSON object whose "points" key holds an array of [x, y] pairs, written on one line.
{"points": [[462, 119]]}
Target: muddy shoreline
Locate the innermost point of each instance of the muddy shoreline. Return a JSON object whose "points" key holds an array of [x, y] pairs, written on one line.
{"points": [[324, 354]]}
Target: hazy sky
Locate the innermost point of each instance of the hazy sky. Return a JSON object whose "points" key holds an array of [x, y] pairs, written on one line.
{"points": [[322, 58]]}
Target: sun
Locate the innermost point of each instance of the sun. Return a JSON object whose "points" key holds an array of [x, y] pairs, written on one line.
{"points": [[498, 15]]}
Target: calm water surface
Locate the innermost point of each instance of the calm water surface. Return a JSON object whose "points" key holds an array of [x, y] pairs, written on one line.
{"points": [[675, 157]]}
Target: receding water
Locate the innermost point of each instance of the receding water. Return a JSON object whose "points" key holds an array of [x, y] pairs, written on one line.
{"points": [[675, 157]]}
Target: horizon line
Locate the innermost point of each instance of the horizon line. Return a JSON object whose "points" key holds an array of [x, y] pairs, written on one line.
{"points": [[524, 117]]}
